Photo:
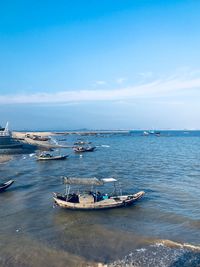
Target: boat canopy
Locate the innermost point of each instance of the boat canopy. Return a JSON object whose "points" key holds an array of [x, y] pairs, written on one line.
{"points": [[82, 181], [87, 181], [108, 180]]}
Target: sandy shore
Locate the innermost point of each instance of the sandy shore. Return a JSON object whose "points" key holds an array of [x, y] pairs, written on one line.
{"points": [[22, 137], [5, 158]]}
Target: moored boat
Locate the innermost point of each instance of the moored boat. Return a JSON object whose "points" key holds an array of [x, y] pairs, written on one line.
{"points": [[48, 156], [81, 142], [93, 200], [80, 149], [4, 186], [151, 133]]}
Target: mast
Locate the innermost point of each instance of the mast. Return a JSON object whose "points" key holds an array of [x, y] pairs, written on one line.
{"points": [[6, 130]]}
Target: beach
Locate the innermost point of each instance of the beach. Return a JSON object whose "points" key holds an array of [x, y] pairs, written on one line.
{"points": [[23, 137]]}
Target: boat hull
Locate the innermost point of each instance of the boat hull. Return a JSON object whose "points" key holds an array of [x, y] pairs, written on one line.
{"points": [[4, 186], [78, 150], [52, 158], [114, 202]]}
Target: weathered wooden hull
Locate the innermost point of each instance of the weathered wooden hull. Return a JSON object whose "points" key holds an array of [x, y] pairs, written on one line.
{"points": [[4, 186], [52, 158], [110, 203], [91, 149]]}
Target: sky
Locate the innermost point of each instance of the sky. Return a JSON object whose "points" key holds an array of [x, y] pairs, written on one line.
{"points": [[100, 64]]}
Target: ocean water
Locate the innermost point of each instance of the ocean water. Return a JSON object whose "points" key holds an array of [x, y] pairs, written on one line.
{"points": [[161, 229]]}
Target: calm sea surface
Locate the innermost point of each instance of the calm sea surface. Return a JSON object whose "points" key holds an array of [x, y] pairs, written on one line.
{"points": [[162, 229]]}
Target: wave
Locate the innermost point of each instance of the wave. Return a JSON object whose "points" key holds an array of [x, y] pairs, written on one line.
{"points": [[173, 244], [161, 253]]}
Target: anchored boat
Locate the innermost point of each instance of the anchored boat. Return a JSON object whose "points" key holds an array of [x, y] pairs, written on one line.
{"points": [[80, 149], [4, 186], [48, 156], [93, 199]]}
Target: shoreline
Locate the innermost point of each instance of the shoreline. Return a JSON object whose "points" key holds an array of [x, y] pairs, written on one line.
{"points": [[5, 158], [26, 138], [22, 134]]}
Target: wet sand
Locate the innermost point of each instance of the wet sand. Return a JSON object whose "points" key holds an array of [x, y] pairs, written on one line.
{"points": [[32, 253], [5, 158], [22, 136]]}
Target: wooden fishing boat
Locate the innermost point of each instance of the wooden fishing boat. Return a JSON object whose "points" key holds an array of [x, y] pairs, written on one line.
{"points": [[79, 142], [4, 186], [80, 149], [48, 156], [93, 200]]}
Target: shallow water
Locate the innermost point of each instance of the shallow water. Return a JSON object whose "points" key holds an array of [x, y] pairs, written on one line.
{"points": [[167, 168]]}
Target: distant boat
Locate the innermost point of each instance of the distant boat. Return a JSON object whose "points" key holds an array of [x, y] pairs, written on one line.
{"points": [[4, 186], [79, 149], [37, 137], [145, 133], [48, 156], [157, 133], [93, 200], [82, 143], [151, 132]]}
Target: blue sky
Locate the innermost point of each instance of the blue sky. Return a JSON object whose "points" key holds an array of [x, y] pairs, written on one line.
{"points": [[100, 64]]}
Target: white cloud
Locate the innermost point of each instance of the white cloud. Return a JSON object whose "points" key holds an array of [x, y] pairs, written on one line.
{"points": [[157, 88], [121, 80], [146, 75], [100, 82]]}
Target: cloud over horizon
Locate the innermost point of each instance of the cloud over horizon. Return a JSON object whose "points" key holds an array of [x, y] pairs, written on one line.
{"points": [[158, 88]]}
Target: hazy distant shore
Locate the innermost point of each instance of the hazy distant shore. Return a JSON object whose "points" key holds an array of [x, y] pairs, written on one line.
{"points": [[22, 134]]}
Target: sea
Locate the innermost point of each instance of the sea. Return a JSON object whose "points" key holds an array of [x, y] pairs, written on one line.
{"points": [[160, 230]]}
